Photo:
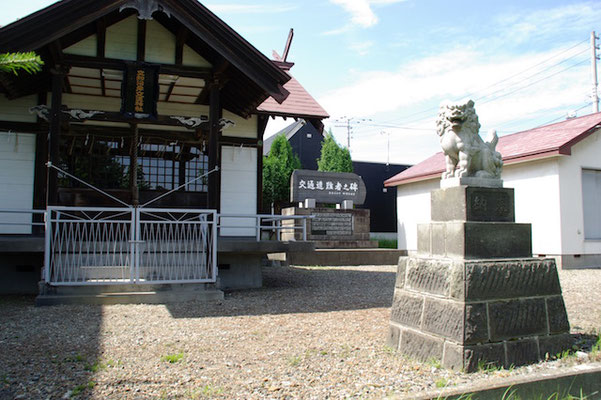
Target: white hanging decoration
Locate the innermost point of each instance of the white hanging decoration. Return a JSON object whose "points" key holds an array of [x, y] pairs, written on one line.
{"points": [[191, 122], [81, 114], [145, 8], [42, 111]]}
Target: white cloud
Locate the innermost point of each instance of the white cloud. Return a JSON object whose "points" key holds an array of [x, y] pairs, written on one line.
{"points": [[423, 84], [362, 48], [361, 10]]}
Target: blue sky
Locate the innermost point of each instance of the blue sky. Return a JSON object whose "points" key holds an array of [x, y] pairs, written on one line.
{"points": [[525, 63]]}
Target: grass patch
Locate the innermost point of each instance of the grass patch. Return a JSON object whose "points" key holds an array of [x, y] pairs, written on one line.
{"points": [[387, 243], [75, 358], [81, 388], [294, 361], [173, 358], [206, 391], [442, 382]]}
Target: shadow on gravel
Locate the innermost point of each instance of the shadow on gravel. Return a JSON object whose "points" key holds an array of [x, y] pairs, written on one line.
{"points": [[300, 290], [47, 352]]}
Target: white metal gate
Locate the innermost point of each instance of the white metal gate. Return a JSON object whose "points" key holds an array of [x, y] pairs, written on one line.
{"points": [[90, 245]]}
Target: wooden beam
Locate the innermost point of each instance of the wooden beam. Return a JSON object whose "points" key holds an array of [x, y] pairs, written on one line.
{"points": [[100, 38], [169, 91], [101, 49], [180, 41], [111, 63], [56, 52], [58, 78], [261, 125], [141, 40], [214, 147]]}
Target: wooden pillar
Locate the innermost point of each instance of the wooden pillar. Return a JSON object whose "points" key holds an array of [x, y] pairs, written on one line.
{"points": [[214, 156], [262, 124], [133, 166], [58, 78]]}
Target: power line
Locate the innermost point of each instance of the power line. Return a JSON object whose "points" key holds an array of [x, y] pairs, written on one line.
{"points": [[501, 81], [481, 101]]}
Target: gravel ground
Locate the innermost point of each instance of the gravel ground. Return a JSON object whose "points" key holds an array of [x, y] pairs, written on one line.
{"points": [[309, 333]]}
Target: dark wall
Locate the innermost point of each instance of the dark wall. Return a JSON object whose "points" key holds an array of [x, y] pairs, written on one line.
{"points": [[306, 143], [380, 200]]}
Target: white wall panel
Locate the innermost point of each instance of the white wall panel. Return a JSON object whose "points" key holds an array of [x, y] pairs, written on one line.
{"points": [[18, 110], [17, 159], [238, 188]]}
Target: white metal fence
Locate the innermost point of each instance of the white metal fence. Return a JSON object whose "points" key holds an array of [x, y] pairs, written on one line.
{"points": [[95, 245], [87, 245]]}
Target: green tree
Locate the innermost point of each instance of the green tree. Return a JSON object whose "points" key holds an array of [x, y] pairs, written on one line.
{"points": [[13, 62], [333, 157], [277, 168]]}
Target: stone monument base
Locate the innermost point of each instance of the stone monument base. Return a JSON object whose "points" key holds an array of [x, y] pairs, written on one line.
{"points": [[473, 295], [469, 313], [349, 228]]}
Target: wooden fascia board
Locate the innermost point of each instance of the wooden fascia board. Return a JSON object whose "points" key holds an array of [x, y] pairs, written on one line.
{"points": [[566, 148], [291, 115], [420, 178], [232, 47], [52, 23]]}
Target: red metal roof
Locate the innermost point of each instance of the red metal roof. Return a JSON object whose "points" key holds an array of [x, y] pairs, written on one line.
{"points": [[536, 143], [298, 104]]}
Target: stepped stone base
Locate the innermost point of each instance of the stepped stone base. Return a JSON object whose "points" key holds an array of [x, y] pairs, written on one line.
{"points": [[126, 294], [466, 313]]}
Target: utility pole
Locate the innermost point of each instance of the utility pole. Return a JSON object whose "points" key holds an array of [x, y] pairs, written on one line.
{"points": [[348, 122], [387, 146], [595, 95]]}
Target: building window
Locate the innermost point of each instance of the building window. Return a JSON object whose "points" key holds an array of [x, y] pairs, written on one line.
{"points": [[104, 163], [591, 199]]}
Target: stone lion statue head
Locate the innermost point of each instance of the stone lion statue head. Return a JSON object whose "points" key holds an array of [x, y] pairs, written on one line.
{"points": [[457, 116]]}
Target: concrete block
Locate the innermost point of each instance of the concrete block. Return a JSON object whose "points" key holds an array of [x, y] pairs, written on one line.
{"points": [[429, 275], [510, 279], [423, 239], [453, 356], [522, 352], [479, 356], [394, 336], [407, 309], [420, 346], [438, 242], [457, 280], [476, 324], [400, 273], [444, 318], [558, 317], [551, 346], [517, 318], [473, 204]]}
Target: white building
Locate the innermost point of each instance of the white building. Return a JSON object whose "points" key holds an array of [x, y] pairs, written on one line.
{"points": [[556, 173]]}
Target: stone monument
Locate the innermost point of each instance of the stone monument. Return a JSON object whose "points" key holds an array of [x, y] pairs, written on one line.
{"points": [[340, 227], [473, 294]]}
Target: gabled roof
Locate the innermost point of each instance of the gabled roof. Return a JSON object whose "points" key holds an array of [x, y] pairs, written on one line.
{"points": [[299, 104], [544, 141], [57, 20], [288, 131]]}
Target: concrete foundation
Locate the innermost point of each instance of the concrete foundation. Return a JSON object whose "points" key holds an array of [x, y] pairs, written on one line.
{"points": [[473, 295]]}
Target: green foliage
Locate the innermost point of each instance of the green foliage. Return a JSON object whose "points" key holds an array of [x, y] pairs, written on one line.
{"points": [[387, 243], [277, 169], [333, 157], [173, 358], [13, 62]]}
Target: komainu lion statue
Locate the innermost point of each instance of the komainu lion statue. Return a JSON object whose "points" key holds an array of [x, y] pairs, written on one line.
{"points": [[466, 154]]}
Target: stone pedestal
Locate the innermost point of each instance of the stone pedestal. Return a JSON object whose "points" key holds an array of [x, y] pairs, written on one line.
{"points": [[331, 228], [473, 294]]}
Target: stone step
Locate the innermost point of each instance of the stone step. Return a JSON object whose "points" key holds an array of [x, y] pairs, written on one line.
{"points": [[335, 257], [153, 297]]}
